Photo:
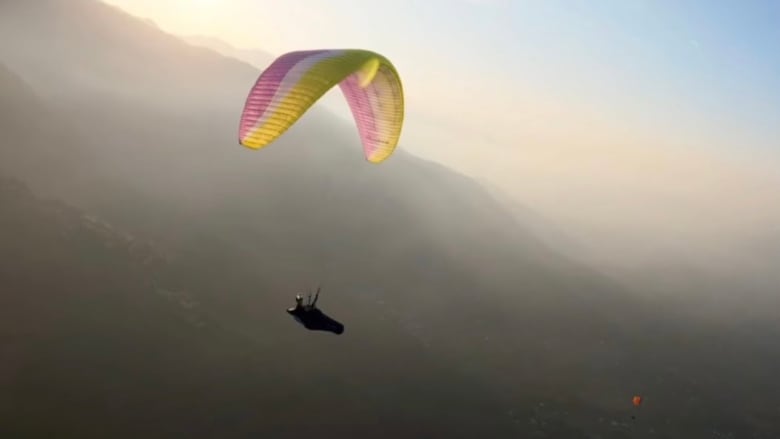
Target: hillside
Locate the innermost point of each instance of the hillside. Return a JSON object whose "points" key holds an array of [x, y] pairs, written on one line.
{"points": [[460, 321], [257, 58], [106, 339]]}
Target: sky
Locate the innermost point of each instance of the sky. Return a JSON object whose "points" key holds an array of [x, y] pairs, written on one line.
{"points": [[613, 117]]}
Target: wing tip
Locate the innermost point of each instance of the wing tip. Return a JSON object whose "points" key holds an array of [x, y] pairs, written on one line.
{"points": [[245, 144]]}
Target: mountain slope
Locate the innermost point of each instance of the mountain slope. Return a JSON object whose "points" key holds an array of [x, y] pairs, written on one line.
{"points": [[257, 58], [106, 340]]}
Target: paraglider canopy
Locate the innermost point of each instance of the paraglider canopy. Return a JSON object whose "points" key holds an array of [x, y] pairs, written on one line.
{"points": [[296, 80]]}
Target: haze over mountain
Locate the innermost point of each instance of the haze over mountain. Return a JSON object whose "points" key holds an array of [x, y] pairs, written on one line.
{"points": [[649, 137], [257, 58], [636, 205], [149, 299]]}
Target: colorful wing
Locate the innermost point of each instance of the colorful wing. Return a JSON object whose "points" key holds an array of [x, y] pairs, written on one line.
{"points": [[296, 80]]}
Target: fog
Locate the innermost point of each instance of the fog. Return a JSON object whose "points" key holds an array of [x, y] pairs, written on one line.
{"points": [[148, 260], [634, 190]]}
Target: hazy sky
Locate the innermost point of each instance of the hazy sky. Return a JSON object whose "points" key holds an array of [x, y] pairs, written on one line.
{"points": [[694, 65], [613, 114]]}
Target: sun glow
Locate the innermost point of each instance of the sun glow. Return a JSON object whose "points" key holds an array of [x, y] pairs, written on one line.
{"points": [[205, 4]]}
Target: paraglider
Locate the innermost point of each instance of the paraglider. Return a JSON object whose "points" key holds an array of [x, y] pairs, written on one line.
{"points": [[296, 80], [637, 401], [311, 317]]}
